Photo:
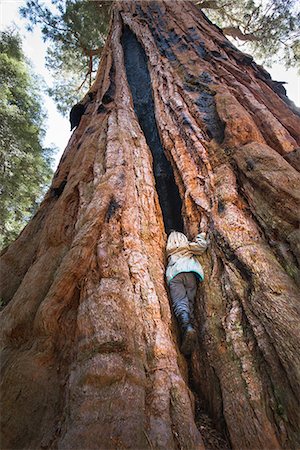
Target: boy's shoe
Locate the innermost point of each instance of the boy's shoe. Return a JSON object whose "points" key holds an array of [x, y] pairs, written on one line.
{"points": [[189, 340]]}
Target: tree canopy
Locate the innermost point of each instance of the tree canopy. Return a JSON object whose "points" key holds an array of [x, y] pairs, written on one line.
{"points": [[25, 164], [76, 31], [268, 29]]}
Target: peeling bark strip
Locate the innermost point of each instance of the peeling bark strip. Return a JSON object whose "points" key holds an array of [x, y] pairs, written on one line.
{"points": [[90, 356], [141, 90]]}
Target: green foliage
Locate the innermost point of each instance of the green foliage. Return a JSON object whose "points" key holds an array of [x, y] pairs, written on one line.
{"points": [[76, 31], [25, 167], [268, 29]]}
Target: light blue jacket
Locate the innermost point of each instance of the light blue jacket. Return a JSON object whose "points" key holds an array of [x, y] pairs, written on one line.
{"points": [[182, 255]]}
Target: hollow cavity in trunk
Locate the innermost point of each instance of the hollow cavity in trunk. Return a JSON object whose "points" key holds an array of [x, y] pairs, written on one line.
{"points": [[140, 85]]}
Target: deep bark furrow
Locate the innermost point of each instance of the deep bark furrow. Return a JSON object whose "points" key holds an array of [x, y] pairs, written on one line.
{"points": [[141, 90]]}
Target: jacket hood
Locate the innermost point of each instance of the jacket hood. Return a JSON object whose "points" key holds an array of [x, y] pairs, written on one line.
{"points": [[176, 239]]}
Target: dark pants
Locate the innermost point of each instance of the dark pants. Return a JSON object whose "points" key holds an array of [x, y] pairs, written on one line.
{"points": [[183, 289]]}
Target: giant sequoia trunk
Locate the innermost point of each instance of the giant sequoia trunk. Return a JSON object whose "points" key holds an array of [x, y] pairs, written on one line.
{"points": [[183, 131]]}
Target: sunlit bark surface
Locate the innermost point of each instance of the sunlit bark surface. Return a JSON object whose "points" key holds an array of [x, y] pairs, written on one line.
{"points": [[91, 354]]}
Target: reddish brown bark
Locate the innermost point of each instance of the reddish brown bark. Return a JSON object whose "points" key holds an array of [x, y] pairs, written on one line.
{"points": [[90, 349]]}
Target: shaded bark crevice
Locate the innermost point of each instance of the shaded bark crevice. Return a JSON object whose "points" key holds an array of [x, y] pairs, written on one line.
{"points": [[213, 428], [230, 256], [141, 90], [109, 95]]}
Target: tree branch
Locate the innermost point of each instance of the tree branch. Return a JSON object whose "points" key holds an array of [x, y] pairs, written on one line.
{"points": [[236, 33], [210, 4], [92, 52], [87, 74]]}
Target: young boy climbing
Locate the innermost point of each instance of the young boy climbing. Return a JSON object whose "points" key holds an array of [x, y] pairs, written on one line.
{"points": [[182, 272]]}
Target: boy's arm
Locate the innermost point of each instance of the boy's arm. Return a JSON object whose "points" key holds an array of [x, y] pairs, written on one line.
{"points": [[200, 245]]}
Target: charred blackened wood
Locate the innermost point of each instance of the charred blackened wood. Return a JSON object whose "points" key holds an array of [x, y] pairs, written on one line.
{"points": [[76, 113], [79, 109], [56, 192], [140, 85]]}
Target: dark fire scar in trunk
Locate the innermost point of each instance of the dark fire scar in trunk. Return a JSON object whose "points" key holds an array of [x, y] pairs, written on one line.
{"points": [[140, 85]]}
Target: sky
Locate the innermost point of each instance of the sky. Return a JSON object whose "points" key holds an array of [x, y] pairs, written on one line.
{"points": [[57, 126]]}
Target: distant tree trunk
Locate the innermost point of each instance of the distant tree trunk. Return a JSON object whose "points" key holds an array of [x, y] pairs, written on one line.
{"points": [[182, 131]]}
